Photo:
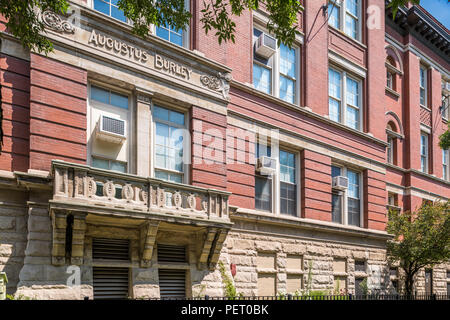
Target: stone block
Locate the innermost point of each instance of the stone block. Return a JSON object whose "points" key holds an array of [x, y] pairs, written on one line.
{"points": [[7, 223], [243, 244], [38, 248], [6, 250], [268, 246], [294, 248], [39, 224]]}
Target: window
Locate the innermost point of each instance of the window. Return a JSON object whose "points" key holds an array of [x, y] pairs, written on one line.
{"points": [[109, 110], [170, 34], [423, 86], [109, 7], [445, 166], [285, 177], [345, 16], [424, 152], [346, 205], [390, 150], [360, 266], [445, 100], [168, 144], [276, 75], [344, 90], [389, 80]]}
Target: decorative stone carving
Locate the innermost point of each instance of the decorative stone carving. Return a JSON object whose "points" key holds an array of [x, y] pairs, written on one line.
{"points": [[53, 21], [177, 200], [91, 187], [191, 201], [127, 192], [220, 83], [109, 189]]}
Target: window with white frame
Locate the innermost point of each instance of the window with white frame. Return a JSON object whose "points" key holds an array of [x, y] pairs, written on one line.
{"points": [[445, 165], [179, 37], [169, 128], [346, 204], [423, 85], [110, 8], [424, 152], [345, 16], [278, 74], [390, 149], [109, 113], [344, 101], [281, 184]]}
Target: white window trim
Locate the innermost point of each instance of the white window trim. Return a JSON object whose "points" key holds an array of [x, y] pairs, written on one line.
{"points": [[422, 67], [129, 127], [345, 197], [276, 183], [344, 75], [186, 143], [274, 67], [447, 164], [342, 13]]}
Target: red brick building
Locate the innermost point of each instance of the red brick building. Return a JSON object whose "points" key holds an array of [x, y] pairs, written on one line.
{"points": [[144, 162]]}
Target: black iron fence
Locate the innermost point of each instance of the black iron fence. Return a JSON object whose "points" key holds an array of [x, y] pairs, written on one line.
{"points": [[322, 297]]}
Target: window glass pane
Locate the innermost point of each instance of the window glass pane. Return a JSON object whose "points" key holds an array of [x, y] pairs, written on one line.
{"points": [[118, 166], [262, 78], [352, 7], [162, 134], [422, 77], [422, 96], [161, 113], [177, 117], [351, 26], [263, 194], [176, 38], [353, 206], [287, 89], [288, 199], [173, 177], [352, 118], [335, 171], [352, 92], [118, 14], [335, 110], [336, 208], [100, 163], [119, 100], [162, 33], [333, 11], [334, 84], [287, 167], [287, 61], [353, 184], [101, 6], [99, 94], [161, 175], [423, 145], [162, 155]]}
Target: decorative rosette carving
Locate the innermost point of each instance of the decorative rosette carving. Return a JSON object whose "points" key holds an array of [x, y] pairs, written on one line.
{"points": [[220, 83]]}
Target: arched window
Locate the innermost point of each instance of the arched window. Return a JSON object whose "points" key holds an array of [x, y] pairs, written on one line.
{"points": [[390, 74]]}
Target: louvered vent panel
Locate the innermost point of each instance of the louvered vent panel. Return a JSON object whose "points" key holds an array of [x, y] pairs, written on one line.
{"points": [[172, 283], [113, 125], [169, 253], [112, 249], [110, 283]]}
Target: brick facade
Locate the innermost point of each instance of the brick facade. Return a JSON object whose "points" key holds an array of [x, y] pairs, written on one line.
{"points": [[47, 116]]}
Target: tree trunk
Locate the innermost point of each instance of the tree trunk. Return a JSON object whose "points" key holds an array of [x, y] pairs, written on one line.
{"points": [[409, 284]]}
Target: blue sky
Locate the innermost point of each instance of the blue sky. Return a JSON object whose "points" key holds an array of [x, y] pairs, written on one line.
{"points": [[440, 9]]}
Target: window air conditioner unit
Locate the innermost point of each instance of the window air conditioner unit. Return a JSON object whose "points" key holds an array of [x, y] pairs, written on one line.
{"points": [[340, 183], [111, 129], [266, 165], [265, 46], [447, 86]]}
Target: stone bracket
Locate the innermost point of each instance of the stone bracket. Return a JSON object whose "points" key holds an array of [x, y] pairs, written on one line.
{"points": [[216, 247], [59, 224], [206, 248], [78, 232], [147, 242]]}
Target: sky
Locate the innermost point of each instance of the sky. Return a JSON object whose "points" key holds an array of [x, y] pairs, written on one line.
{"points": [[440, 9]]}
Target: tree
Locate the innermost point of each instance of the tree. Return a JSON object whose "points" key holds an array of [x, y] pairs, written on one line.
{"points": [[421, 239], [444, 142]]}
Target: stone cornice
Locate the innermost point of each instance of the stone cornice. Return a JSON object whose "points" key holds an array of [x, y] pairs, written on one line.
{"points": [[308, 224]]}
